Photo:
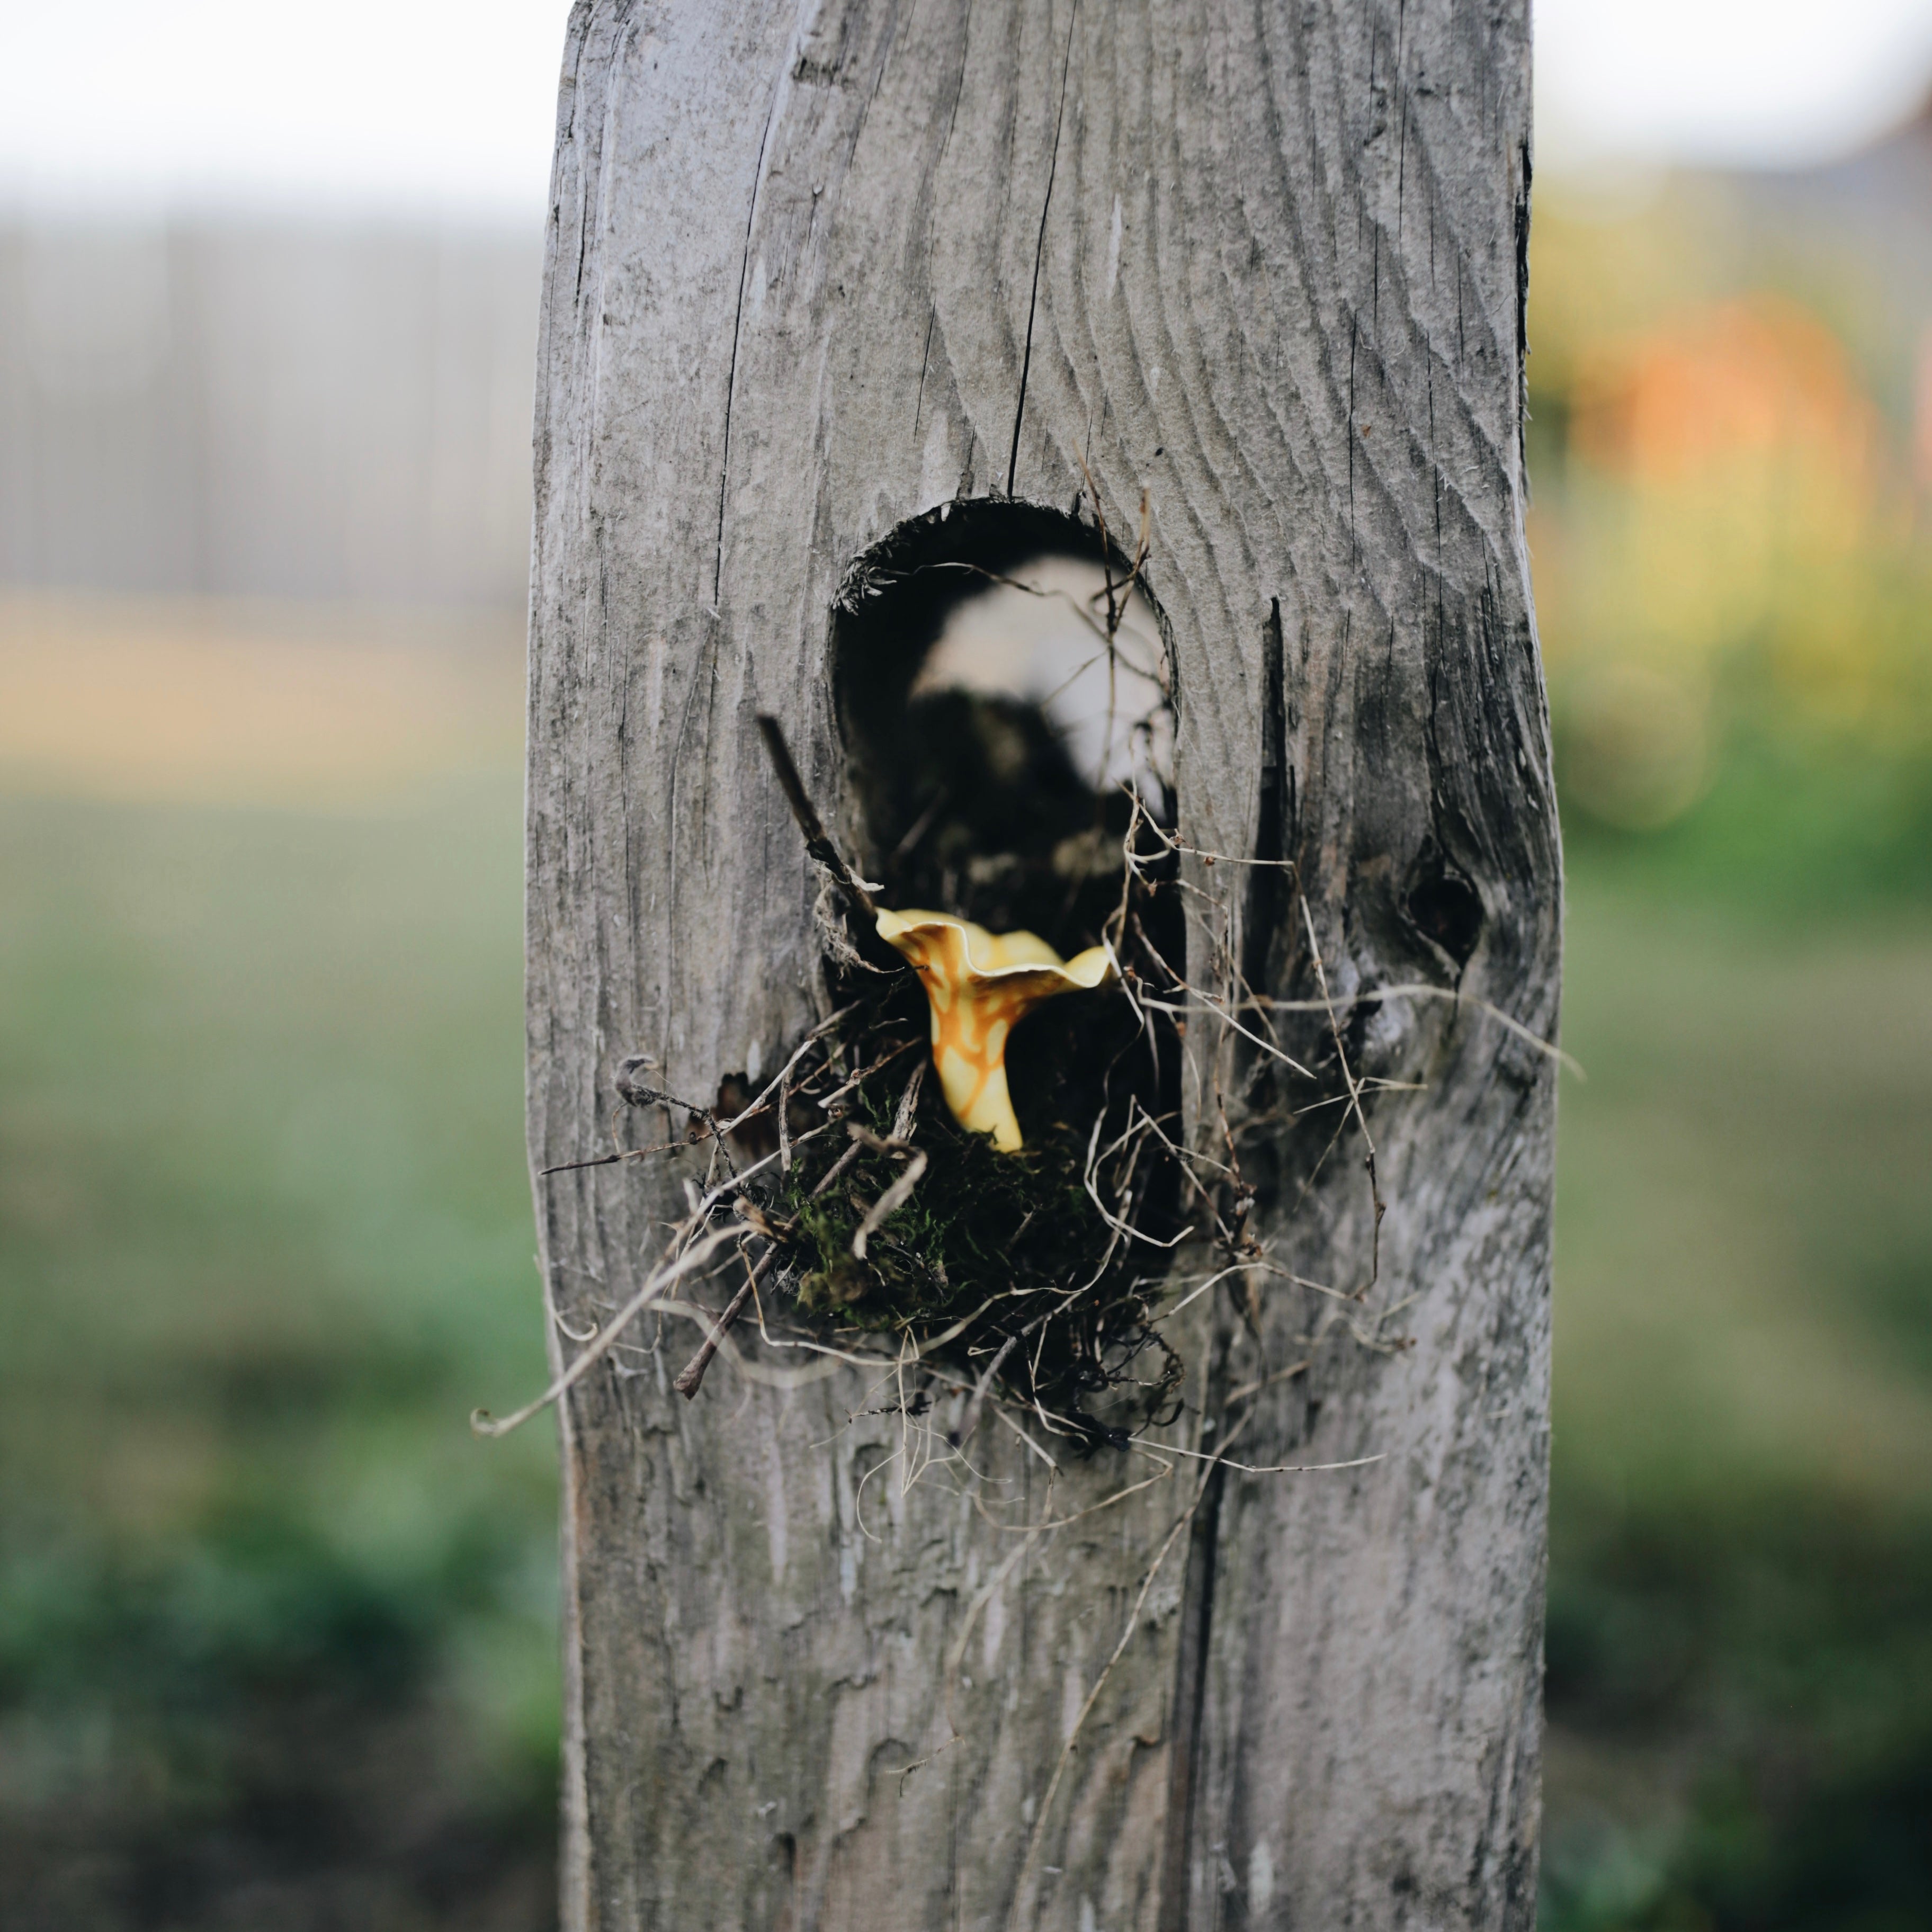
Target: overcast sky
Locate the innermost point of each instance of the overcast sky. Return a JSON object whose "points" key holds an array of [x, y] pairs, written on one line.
{"points": [[446, 106]]}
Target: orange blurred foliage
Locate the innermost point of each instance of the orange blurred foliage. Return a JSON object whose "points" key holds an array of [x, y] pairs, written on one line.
{"points": [[1759, 375]]}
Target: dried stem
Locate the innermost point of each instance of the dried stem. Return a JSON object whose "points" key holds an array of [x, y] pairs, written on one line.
{"points": [[817, 841], [691, 1378]]}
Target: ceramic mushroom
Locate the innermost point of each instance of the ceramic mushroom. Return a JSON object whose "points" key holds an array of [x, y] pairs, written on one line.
{"points": [[980, 986]]}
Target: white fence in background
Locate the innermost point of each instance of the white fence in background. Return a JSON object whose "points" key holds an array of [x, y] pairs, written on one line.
{"points": [[226, 409]]}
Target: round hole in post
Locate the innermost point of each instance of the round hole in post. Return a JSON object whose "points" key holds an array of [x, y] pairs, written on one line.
{"points": [[1443, 907], [1004, 684], [1003, 690]]}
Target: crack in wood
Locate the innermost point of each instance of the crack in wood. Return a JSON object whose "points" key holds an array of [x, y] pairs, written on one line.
{"points": [[1191, 1652], [1039, 249], [737, 334]]}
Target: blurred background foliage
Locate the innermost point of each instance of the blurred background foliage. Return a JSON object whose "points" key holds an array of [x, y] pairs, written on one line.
{"points": [[277, 1640], [1730, 446], [1731, 454], [277, 1636]]}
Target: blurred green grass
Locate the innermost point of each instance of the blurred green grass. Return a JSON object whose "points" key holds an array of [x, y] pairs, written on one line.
{"points": [[1729, 403], [1740, 1636], [276, 1634]]}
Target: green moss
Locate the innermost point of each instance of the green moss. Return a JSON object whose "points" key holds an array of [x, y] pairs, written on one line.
{"points": [[1012, 1246]]}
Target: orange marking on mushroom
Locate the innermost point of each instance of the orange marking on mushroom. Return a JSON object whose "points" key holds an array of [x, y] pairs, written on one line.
{"points": [[980, 986]]}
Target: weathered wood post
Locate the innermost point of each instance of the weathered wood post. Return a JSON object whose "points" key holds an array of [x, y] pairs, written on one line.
{"points": [[813, 270]]}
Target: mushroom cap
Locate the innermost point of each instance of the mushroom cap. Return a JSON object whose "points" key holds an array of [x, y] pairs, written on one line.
{"points": [[980, 985]]}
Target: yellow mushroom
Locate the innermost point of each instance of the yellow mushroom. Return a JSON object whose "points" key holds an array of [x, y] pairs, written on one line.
{"points": [[980, 986]]}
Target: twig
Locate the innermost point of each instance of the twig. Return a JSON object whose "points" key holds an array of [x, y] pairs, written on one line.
{"points": [[888, 1203], [971, 1420], [859, 1079], [1422, 990], [1354, 1097], [1287, 1374], [817, 841], [907, 1111], [837, 1168], [1276, 1469], [921, 826], [660, 1278], [691, 1377]]}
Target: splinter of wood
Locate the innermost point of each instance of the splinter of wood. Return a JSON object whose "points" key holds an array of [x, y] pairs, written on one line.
{"points": [[818, 841]]}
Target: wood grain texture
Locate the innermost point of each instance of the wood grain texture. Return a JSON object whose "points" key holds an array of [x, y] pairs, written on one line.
{"points": [[812, 270]]}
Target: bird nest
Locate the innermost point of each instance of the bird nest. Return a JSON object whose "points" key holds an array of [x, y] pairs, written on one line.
{"points": [[1033, 1275]]}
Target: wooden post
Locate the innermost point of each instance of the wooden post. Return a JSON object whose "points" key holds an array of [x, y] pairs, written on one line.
{"points": [[813, 270]]}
